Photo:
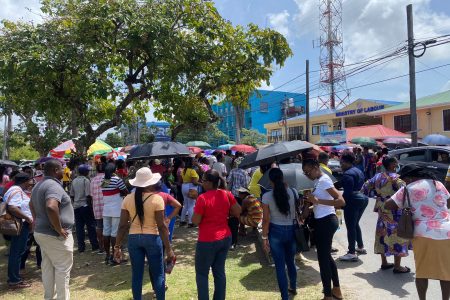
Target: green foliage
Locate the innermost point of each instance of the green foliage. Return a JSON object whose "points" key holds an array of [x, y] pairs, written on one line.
{"points": [[94, 65], [252, 137], [114, 140], [23, 152], [211, 134]]}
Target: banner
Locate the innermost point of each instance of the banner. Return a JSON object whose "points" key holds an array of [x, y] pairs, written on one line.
{"points": [[337, 135]]}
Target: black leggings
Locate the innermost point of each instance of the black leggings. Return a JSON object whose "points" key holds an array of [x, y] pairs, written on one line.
{"points": [[324, 230]]}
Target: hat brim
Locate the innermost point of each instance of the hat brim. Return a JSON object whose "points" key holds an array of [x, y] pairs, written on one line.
{"points": [[152, 181]]}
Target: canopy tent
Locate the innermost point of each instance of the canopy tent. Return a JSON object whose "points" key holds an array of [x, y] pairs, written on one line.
{"points": [[99, 147], [373, 131]]}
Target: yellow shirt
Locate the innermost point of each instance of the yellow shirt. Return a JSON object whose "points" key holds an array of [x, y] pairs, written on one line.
{"points": [[66, 174], [153, 204], [447, 178], [188, 175], [254, 188]]}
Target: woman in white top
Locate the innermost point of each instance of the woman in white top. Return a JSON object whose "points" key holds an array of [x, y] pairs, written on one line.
{"points": [[19, 205], [325, 198]]}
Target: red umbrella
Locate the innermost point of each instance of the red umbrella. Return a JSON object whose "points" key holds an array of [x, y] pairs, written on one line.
{"points": [[195, 150], [243, 148]]}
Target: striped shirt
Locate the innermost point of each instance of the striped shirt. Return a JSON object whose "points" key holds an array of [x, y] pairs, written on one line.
{"points": [[113, 186], [112, 200]]}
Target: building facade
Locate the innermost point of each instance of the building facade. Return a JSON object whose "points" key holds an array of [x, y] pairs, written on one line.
{"points": [[263, 107], [433, 115], [361, 112]]}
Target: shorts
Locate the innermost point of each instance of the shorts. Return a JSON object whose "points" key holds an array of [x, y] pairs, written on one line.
{"points": [[99, 224], [110, 226]]}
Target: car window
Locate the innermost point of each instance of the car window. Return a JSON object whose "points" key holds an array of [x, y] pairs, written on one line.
{"points": [[416, 155], [440, 156]]}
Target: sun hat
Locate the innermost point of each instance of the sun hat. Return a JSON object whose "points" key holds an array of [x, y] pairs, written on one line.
{"points": [[145, 177]]}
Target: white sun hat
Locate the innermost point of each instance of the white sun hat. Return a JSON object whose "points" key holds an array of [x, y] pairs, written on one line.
{"points": [[145, 177]]}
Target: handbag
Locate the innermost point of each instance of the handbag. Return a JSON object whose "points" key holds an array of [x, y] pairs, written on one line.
{"points": [[9, 224], [406, 224], [299, 231]]}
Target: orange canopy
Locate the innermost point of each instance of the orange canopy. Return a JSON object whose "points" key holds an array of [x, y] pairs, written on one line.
{"points": [[373, 131]]}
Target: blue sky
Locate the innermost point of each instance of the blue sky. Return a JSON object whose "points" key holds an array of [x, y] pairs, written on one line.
{"points": [[369, 27]]}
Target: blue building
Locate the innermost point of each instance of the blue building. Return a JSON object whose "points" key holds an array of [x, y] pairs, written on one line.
{"points": [[263, 107]]}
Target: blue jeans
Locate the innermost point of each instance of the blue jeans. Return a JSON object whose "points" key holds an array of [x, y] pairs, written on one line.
{"points": [[211, 255], [16, 250], [84, 216], [150, 246], [169, 209], [353, 211], [283, 248]]}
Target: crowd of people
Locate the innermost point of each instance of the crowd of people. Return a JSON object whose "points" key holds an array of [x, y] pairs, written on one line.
{"points": [[128, 207]]}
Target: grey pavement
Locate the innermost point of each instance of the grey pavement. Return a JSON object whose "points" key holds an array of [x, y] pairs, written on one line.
{"points": [[365, 280]]}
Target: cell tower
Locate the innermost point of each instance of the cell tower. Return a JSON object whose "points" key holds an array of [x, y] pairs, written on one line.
{"points": [[333, 91]]}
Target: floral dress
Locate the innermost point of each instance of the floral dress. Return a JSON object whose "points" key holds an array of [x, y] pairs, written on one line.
{"points": [[384, 185]]}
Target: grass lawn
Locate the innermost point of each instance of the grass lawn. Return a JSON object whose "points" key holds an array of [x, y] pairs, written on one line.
{"points": [[248, 276]]}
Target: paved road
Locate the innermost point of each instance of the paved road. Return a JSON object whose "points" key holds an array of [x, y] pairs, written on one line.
{"points": [[366, 280]]}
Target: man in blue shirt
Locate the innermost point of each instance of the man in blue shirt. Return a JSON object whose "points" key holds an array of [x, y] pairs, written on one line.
{"points": [[355, 204]]}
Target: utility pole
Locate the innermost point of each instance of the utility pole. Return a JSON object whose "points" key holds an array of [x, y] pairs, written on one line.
{"points": [[5, 138], [412, 75], [307, 100], [285, 106]]}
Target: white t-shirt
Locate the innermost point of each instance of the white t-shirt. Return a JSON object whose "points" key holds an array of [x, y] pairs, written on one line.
{"points": [[320, 191], [16, 197]]}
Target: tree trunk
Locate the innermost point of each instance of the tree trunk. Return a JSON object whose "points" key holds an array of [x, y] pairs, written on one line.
{"points": [[176, 130]]}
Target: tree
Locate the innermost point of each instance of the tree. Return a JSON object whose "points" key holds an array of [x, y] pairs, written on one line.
{"points": [[94, 65], [210, 134], [114, 140], [252, 137]]}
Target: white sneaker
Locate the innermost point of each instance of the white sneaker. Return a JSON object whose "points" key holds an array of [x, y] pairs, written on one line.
{"points": [[349, 257]]}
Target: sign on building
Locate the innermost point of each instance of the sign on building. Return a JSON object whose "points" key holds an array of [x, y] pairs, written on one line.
{"points": [[337, 135]]}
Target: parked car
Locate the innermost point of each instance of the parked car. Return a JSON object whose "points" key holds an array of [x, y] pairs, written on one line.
{"points": [[335, 167], [434, 158]]}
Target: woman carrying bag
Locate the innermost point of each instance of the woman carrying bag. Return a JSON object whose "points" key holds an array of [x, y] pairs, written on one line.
{"points": [[18, 205], [325, 199], [190, 191], [143, 214], [425, 203]]}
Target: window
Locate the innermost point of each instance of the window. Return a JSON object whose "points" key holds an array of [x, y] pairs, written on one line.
{"points": [[440, 156], [315, 130], [446, 118], [417, 155], [319, 128], [402, 123], [264, 106]]}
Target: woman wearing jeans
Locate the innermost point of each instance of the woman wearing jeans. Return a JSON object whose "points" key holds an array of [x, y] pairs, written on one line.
{"points": [[19, 206], [143, 213], [325, 198], [278, 230], [190, 181], [211, 213]]}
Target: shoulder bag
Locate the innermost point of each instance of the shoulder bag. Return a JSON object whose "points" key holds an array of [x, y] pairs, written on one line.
{"points": [[406, 224], [9, 224], [300, 238]]}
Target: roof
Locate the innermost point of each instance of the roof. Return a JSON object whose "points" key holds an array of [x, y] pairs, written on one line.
{"points": [[424, 102], [315, 114], [385, 102], [373, 131]]}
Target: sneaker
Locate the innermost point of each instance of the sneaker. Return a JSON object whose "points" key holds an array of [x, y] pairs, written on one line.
{"points": [[349, 257], [361, 251], [101, 252]]}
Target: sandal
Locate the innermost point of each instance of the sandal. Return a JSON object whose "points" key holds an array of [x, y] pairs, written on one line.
{"points": [[396, 271], [19, 285], [387, 267]]}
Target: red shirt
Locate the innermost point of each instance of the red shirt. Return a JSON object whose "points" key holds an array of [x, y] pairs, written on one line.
{"points": [[168, 199], [214, 207], [122, 173], [158, 169]]}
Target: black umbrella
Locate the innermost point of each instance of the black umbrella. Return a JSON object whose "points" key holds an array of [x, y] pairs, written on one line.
{"points": [[159, 150], [294, 177], [4, 162], [274, 152]]}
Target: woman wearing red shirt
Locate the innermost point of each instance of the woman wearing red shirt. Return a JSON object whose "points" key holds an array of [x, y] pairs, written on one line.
{"points": [[211, 213]]}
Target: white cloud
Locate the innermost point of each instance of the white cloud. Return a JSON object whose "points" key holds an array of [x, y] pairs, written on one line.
{"points": [[372, 26], [280, 22]]}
